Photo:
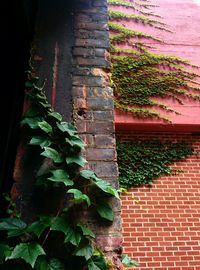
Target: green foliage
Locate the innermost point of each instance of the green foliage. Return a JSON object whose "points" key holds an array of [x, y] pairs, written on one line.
{"points": [[139, 76], [128, 262], [105, 211], [29, 252], [61, 240], [140, 162], [117, 15]]}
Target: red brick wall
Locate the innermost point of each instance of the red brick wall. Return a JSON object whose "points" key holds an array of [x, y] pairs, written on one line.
{"points": [[161, 224]]}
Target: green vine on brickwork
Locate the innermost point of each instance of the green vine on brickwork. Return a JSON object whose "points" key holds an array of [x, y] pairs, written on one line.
{"points": [[141, 162], [127, 4], [139, 76], [62, 240]]}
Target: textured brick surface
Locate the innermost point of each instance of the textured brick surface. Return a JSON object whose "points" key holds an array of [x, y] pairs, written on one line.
{"points": [[161, 224], [93, 108]]}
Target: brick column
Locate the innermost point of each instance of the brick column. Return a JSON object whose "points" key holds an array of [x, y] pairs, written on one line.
{"points": [[93, 107]]}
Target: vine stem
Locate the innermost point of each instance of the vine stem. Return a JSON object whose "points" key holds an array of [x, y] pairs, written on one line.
{"points": [[49, 231]]}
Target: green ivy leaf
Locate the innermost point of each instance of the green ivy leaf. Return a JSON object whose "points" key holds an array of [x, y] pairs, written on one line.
{"points": [[77, 160], [38, 227], [61, 176], [31, 112], [56, 115], [67, 127], [106, 187], [5, 251], [72, 236], [128, 262], [32, 122], [13, 226], [85, 251], [97, 263], [79, 197], [28, 84], [88, 174], [46, 127], [61, 224], [86, 231], [53, 154], [76, 142], [105, 211], [29, 252], [52, 264], [42, 141]]}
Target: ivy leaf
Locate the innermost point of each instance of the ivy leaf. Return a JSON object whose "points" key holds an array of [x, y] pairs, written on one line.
{"points": [[32, 122], [79, 197], [5, 251], [38, 227], [61, 224], [52, 153], [106, 187], [52, 264], [67, 127], [97, 263], [72, 236], [13, 226], [88, 174], [85, 251], [56, 115], [31, 112], [61, 176], [75, 141], [28, 84], [77, 160], [28, 252], [45, 127], [38, 140], [128, 262], [105, 211], [86, 231]]}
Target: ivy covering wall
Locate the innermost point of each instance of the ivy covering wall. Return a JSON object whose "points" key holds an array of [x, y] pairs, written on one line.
{"points": [[141, 162], [140, 76]]}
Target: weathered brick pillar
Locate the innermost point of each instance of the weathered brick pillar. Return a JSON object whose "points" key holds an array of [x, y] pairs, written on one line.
{"points": [[93, 107]]}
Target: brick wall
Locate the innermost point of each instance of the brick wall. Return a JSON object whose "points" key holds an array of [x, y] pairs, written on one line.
{"points": [[161, 224], [93, 107]]}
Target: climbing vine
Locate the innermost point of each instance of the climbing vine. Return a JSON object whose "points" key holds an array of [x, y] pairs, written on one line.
{"points": [[138, 75], [63, 239], [140, 162]]}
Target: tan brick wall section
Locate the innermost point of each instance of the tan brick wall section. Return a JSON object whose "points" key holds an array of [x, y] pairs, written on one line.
{"points": [[161, 224]]}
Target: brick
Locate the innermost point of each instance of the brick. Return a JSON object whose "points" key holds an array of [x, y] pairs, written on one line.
{"points": [[104, 140], [98, 62], [100, 127], [100, 104], [100, 154], [100, 92], [84, 52], [87, 81], [92, 42]]}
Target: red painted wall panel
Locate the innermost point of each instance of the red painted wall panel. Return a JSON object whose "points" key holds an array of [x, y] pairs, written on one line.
{"points": [[183, 19]]}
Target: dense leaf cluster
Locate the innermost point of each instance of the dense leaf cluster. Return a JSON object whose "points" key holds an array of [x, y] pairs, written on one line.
{"points": [[140, 162], [60, 240]]}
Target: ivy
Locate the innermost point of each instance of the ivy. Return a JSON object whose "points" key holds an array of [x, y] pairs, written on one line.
{"points": [[61, 240], [138, 75], [140, 162]]}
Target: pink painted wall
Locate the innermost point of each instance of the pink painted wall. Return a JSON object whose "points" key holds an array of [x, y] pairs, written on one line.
{"points": [[183, 19]]}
